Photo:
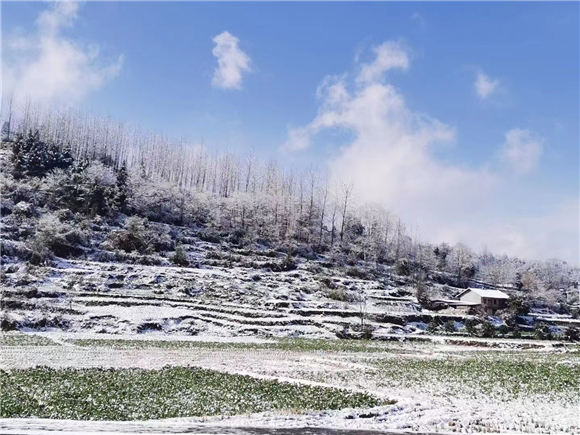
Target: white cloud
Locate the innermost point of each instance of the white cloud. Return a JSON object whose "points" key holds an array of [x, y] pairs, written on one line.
{"points": [[389, 55], [485, 85], [232, 62], [521, 150], [298, 139], [62, 14], [47, 66], [391, 157]]}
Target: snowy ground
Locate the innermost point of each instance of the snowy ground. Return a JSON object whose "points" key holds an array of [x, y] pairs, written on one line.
{"points": [[244, 320], [87, 296], [427, 400]]}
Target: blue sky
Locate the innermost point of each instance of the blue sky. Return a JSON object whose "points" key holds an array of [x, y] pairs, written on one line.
{"points": [[156, 67]]}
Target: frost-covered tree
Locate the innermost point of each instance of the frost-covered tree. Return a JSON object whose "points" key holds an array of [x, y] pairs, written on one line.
{"points": [[8, 117], [95, 165], [461, 262]]}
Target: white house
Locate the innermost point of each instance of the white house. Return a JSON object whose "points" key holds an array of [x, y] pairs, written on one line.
{"points": [[490, 300]]}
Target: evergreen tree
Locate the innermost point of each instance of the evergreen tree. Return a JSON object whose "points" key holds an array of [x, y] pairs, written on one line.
{"points": [[6, 131], [98, 200], [122, 188], [34, 158]]}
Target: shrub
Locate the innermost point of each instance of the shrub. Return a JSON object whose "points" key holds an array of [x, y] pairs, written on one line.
{"points": [[422, 295], [337, 294], [470, 326], [134, 237], [518, 306], [487, 329], [40, 255], [23, 210], [5, 134], [100, 193], [328, 283], [210, 236], [161, 239], [434, 324], [477, 311], [304, 251], [402, 268], [180, 256], [572, 334], [84, 188], [367, 332], [239, 237], [55, 237], [449, 326], [122, 189], [355, 272], [542, 332], [288, 264], [503, 330], [139, 235]]}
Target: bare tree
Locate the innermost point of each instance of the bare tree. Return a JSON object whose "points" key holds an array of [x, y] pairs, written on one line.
{"points": [[346, 194], [7, 126]]}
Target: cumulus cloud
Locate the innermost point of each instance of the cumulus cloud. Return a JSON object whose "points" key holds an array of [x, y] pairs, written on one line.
{"points": [[389, 55], [232, 62], [485, 86], [521, 150], [393, 157], [47, 66], [298, 139]]}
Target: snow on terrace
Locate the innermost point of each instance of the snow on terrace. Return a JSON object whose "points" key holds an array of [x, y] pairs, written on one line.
{"points": [[113, 297], [137, 312], [85, 265]]}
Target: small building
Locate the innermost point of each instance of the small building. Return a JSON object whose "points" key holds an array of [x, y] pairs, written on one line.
{"points": [[490, 300]]}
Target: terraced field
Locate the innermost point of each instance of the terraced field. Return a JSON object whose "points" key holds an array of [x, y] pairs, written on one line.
{"points": [[120, 298]]}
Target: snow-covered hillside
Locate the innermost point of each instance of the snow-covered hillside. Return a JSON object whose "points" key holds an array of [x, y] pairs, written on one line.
{"points": [[89, 247]]}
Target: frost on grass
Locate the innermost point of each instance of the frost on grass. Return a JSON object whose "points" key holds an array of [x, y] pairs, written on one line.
{"points": [[134, 394], [21, 339], [494, 377]]}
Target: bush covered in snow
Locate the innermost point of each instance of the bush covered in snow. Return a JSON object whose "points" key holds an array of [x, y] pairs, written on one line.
{"points": [[139, 235], [55, 237], [180, 256]]}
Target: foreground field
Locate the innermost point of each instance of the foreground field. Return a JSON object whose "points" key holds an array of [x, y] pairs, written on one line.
{"points": [[437, 387], [136, 394]]}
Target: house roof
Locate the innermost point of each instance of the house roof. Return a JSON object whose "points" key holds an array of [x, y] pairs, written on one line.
{"points": [[496, 294]]}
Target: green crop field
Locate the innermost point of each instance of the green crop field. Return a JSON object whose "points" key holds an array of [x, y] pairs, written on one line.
{"points": [[133, 394]]}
